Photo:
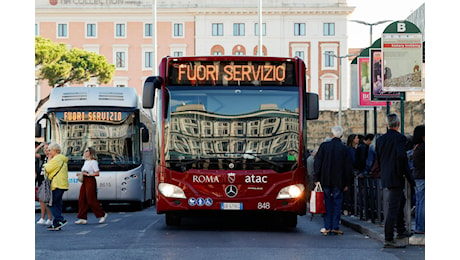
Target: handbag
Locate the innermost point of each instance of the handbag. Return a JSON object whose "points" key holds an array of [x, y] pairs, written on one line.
{"points": [[317, 200], [81, 177], [44, 192]]}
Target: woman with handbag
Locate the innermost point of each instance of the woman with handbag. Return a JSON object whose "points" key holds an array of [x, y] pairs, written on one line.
{"points": [[56, 170], [88, 195], [40, 177]]}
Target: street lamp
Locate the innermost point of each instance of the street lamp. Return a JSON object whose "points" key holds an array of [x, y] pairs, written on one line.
{"points": [[370, 25], [370, 44], [340, 80]]}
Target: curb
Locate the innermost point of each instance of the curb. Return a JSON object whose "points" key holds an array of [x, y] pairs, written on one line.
{"points": [[377, 232]]}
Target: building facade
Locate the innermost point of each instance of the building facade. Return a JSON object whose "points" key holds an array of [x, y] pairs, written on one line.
{"points": [[122, 31]]}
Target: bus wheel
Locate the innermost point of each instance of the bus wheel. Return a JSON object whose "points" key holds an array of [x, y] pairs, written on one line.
{"points": [[172, 219]]}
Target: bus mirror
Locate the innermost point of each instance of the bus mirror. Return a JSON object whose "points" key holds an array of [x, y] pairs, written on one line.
{"points": [[38, 130], [145, 135], [148, 93], [312, 106]]}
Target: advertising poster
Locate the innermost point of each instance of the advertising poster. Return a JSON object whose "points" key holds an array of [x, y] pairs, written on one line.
{"points": [[402, 62], [377, 93], [364, 83]]}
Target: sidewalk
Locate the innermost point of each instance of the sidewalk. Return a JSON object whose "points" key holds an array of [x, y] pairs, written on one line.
{"points": [[375, 231]]}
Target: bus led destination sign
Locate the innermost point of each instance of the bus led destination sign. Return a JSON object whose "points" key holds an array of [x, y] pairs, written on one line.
{"points": [[233, 72], [222, 73], [107, 116]]}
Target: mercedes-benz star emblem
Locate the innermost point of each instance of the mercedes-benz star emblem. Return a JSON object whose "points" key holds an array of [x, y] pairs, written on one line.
{"points": [[231, 191]]}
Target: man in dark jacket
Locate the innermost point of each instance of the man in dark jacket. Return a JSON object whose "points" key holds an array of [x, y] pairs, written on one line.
{"points": [[392, 159], [334, 170]]}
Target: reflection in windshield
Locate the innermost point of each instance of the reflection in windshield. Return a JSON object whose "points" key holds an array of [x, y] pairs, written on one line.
{"points": [[236, 128], [115, 143]]}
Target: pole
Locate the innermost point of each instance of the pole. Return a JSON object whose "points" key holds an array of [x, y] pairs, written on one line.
{"points": [[260, 29], [340, 91], [154, 38]]}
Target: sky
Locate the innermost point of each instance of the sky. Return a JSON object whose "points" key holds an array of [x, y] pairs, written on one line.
{"points": [[365, 10]]}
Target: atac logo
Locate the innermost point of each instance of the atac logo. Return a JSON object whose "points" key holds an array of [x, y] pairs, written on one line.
{"points": [[53, 2], [231, 177]]}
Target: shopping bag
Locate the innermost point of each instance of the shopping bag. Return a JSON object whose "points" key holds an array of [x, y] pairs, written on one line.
{"points": [[317, 200]]}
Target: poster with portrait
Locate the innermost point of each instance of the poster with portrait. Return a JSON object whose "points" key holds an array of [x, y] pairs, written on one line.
{"points": [[364, 84], [377, 93], [402, 62]]}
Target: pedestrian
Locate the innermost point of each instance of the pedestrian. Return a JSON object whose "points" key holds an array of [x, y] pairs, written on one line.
{"points": [[333, 169], [363, 182], [88, 191], [40, 169], [419, 175], [57, 171], [392, 160]]}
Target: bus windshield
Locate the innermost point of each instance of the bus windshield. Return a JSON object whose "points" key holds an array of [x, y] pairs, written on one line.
{"points": [[245, 127], [112, 133]]}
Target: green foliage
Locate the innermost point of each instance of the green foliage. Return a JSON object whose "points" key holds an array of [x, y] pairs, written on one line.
{"points": [[60, 66]]}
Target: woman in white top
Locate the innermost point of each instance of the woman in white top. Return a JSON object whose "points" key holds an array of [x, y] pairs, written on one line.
{"points": [[88, 195]]}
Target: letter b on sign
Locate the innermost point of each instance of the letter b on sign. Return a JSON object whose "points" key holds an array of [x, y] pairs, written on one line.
{"points": [[401, 27]]}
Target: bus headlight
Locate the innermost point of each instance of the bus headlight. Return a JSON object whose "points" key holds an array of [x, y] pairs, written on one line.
{"points": [[171, 191], [290, 192]]}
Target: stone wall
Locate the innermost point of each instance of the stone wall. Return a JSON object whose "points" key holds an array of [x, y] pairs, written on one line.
{"points": [[353, 121]]}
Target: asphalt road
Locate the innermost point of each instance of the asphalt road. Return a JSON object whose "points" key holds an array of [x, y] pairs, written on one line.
{"points": [[144, 235]]}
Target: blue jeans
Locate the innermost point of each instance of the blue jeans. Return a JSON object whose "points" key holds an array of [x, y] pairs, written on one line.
{"points": [[333, 198], [420, 205], [56, 208]]}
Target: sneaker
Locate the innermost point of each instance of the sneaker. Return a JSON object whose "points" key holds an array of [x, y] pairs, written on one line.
{"points": [[53, 228], [41, 222], [102, 220], [392, 244], [61, 224], [325, 231], [81, 222], [49, 222], [337, 232]]}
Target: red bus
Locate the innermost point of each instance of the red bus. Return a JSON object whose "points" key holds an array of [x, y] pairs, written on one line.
{"points": [[231, 135]]}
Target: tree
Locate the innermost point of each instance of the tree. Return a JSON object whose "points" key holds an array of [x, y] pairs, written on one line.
{"points": [[60, 66]]}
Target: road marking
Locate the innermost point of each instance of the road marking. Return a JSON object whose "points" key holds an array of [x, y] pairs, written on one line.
{"points": [[101, 225], [115, 220], [84, 232]]}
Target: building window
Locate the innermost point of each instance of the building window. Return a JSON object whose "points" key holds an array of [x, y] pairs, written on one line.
{"points": [[217, 53], [217, 29], [120, 61], [178, 54], [178, 30], [91, 30], [329, 29], [148, 59], [239, 53], [238, 29], [329, 91], [300, 54], [299, 29], [148, 30], [62, 30], [36, 29], [329, 59], [256, 29], [120, 30]]}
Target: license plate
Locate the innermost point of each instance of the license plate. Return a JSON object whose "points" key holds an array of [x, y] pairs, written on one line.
{"points": [[231, 206]]}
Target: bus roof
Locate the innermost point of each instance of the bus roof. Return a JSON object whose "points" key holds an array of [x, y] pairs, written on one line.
{"points": [[98, 96]]}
